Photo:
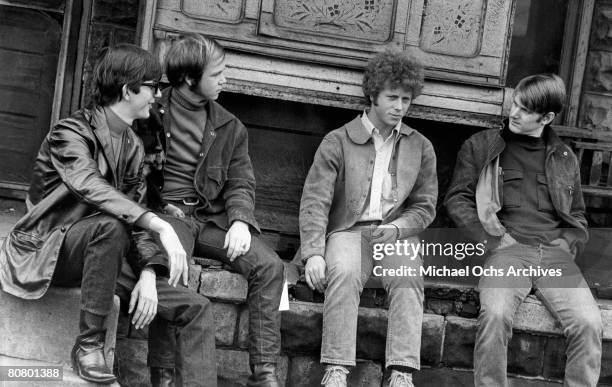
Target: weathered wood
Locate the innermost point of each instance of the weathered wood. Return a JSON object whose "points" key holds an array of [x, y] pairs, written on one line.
{"points": [[595, 172]]}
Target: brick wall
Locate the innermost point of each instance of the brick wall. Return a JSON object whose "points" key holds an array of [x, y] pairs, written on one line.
{"points": [[596, 104]]}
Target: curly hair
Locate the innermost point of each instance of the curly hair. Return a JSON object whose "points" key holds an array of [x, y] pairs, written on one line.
{"points": [[393, 69]]}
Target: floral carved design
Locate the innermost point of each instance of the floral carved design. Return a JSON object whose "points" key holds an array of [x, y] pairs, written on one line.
{"points": [[359, 19], [223, 10], [452, 27]]}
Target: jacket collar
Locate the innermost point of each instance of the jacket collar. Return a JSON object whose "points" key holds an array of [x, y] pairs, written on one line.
{"points": [[553, 142], [217, 115], [360, 135], [101, 130]]}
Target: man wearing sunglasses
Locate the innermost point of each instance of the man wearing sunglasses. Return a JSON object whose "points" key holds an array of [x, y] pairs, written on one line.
{"points": [[87, 212]]}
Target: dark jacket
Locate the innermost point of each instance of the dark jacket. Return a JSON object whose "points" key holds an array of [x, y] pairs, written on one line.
{"points": [[338, 184], [475, 194], [73, 178], [224, 178]]}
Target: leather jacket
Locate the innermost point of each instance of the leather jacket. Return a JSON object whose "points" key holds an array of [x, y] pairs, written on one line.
{"points": [[475, 194], [224, 179], [75, 176]]}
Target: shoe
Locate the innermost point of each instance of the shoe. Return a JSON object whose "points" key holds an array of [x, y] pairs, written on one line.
{"points": [[87, 355], [162, 377], [264, 375], [335, 376], [400, 379]]}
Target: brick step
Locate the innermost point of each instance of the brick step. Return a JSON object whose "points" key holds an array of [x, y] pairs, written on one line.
{"points": [[69, 377], [45, 329]]}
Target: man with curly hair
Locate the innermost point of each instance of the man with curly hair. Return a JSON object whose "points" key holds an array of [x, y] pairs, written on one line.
{"points": [[372, 183]]}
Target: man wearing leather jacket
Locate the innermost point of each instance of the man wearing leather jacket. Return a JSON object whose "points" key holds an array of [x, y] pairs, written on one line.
{"points": [[87, 212], [517, 190], [206, 187]]}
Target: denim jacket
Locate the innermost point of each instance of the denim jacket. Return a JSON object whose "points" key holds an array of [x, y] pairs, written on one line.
{"points": [[338, 185], [224, 177], [475, 195]]}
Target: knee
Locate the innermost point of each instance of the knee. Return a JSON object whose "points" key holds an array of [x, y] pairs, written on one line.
{"points": [[269, 265], [197, 307], [344, 276], [587, 323], [495, 317], [113, 228]]}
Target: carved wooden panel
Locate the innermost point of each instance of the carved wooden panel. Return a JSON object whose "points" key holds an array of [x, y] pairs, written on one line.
{"points": [[229, 11], [460, 40], [369, 20]]}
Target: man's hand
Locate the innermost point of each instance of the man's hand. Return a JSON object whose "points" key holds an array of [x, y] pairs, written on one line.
{"points": [[237, 240], [176, 254], [385, 233], [144, 299], [173, 210], [315, 273], [506, 240]]}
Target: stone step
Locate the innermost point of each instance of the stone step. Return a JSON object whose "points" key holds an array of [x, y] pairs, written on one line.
{"points": [[69, 377], [45, 329]]}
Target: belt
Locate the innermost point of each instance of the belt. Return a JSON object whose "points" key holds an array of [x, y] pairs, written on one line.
{"points": [[185, 201]]}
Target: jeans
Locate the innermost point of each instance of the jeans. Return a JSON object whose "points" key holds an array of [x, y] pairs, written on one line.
{"points": [[263, 270], [90, 257], [349, 261], [567, 297]]}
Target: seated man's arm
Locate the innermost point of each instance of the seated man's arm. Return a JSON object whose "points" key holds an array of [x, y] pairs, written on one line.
{"points": [[315, 205], [420, 206], [239, 188]]}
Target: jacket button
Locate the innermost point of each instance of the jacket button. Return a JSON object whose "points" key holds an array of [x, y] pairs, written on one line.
{"points": [[201, 154], [63, 229], [168, 135], [565, 153], [212, 133], [124, 216], [162, 111]]}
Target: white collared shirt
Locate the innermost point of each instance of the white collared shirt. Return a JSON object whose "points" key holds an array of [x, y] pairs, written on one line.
{"points": [[380, 201]]}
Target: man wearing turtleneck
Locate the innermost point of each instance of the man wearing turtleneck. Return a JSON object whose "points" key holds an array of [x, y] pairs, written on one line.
{"points": [[206, 190], [518, 192]]}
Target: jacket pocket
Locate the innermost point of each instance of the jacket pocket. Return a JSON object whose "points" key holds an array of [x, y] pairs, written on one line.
{"points": [[513, 181], [544, 199], [22, 243], [215, 179]]}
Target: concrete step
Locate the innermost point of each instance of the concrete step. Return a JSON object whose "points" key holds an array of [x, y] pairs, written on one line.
{"points": [[45, 329], [69, 377]]}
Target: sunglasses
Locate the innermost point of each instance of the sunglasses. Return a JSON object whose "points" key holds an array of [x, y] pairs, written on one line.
{"points": [[153, 85]]}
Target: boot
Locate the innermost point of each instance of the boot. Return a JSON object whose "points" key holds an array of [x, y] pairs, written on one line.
{"points": [[88, 352], [162, 377], [264, 375]]}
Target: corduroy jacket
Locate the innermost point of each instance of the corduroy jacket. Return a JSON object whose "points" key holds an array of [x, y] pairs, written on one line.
{"points": [[339, 180]]}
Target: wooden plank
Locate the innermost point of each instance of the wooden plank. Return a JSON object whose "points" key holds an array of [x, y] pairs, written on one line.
{"points": [[60, 72], [582, 47], [595, 170], [608, 182], [572, 131], [56, 6], [594, 146]]}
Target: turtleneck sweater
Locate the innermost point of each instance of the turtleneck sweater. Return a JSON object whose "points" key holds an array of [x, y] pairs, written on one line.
{"points": [[527, 211], [187, 125]]}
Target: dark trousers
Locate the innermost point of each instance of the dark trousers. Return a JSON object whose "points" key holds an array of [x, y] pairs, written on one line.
{"points": [[90, 257], [187, 321], [263, 271]]}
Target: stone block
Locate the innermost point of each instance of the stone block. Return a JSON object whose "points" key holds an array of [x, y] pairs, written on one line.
{"points": [[371, 333], [441, 307], [606, 364], [131, 363], [533, 317], [305, 371], [596, 112], [226, 316], [45, 329], [69, 377], [598, 76], [301, 328], [195, 272], [232, 367], [526, 354], [431, 339], [243, 328], [459, 342], [437, 377], [554, 358], [208, 263], [223, 285]]}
